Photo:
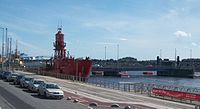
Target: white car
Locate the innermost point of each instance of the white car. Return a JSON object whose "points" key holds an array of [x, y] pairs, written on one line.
{"points": [[34, 83], [50, 90]]}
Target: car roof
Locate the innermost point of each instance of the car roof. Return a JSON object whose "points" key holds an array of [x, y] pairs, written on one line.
{"points": [[15, 73], [50, 83], [28, 77], [38, 80]]}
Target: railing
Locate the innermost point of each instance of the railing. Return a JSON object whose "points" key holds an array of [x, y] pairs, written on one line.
{"points": [[135, 87]]}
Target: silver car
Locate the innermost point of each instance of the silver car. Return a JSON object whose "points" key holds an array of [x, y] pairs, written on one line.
{"points": [[34, 83], [24, 81], [50, 90]]}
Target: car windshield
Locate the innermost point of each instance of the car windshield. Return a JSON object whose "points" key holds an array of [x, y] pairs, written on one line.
{"points": [[38, 82], [7, 73], [28, 79], [20, 76], [14, 74], [52, 86]]}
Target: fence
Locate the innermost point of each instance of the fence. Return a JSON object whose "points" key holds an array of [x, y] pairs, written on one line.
{"points": [[163, 91]]}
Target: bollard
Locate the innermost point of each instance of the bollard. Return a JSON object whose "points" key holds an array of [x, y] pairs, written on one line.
{"points": [[127, 107], [115, 105], [76, 101], [69, 98], [93, 104]]}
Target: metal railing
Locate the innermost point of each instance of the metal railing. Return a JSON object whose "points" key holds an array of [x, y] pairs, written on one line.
{"points": [[131, 87]]}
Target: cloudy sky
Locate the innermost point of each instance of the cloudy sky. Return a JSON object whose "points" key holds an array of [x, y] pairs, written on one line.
{"points": [[141, 28]]}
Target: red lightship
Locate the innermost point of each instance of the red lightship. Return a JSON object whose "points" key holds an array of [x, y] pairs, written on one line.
{"points": [[79, 68]]}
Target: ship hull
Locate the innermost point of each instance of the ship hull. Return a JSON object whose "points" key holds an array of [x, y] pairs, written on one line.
{"points": [[72, 67], [184, 73]]}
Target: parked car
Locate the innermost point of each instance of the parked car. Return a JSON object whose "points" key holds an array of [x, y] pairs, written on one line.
{"points": [[1, 74], [5, 74], [11, 77], [24, 81], [50, 90], [33, 84], [17, 79]]}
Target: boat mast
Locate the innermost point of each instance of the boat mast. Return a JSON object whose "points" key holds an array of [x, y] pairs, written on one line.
{"points": [[59, 44]]}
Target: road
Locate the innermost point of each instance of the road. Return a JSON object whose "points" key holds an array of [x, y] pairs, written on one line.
{"points": [[13, 97]]}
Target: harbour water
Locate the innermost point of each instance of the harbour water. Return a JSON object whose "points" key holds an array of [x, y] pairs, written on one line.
{"points": [[136, 77]]}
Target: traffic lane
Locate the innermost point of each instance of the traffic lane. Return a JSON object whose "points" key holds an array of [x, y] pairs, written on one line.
{"points": [[4, 104], [13, 100], [19, 98]]}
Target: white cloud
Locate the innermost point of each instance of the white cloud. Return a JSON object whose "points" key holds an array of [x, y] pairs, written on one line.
{"points": [[182, 34], [194, 44], [123, 39]]}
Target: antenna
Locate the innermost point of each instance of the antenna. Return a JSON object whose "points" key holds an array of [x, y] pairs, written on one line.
{"points": [[160, 53], [175, 64], [117, 51], [105, 52], [175, 55], [59, 26]]}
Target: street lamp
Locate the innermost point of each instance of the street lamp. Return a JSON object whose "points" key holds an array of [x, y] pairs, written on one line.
{"points": [[2, 48]]}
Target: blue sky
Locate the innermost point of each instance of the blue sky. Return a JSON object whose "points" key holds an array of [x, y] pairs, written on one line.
{"points": [[140, 27]]}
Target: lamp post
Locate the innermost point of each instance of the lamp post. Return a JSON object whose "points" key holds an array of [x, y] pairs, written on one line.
{"points": [[2, 55], [105, 52], [117, 57]]}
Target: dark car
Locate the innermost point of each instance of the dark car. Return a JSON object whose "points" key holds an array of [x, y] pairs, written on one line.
{"points": [[11, 77], [1, 74], [24, 81], [5, 74], [17, 79]]}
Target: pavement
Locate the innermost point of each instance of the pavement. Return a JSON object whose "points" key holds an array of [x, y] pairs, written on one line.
{"points": [[104, 97]]}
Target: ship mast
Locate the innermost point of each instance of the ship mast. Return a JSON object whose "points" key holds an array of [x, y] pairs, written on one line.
{"points": [[59, 44]]}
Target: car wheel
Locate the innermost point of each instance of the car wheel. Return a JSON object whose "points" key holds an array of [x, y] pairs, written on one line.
{"points": [[39, 93], [45, 95]]}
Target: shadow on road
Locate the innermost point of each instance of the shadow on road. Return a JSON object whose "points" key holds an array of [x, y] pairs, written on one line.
{"points": [[42, 97], [28, 91], [18, 86], [11, 83]]}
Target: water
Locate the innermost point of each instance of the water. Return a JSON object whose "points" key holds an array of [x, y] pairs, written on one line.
{"points": [[170, 81]]}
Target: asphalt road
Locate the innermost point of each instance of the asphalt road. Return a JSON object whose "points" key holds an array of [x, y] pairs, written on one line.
{"points": [[13, 97]]}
